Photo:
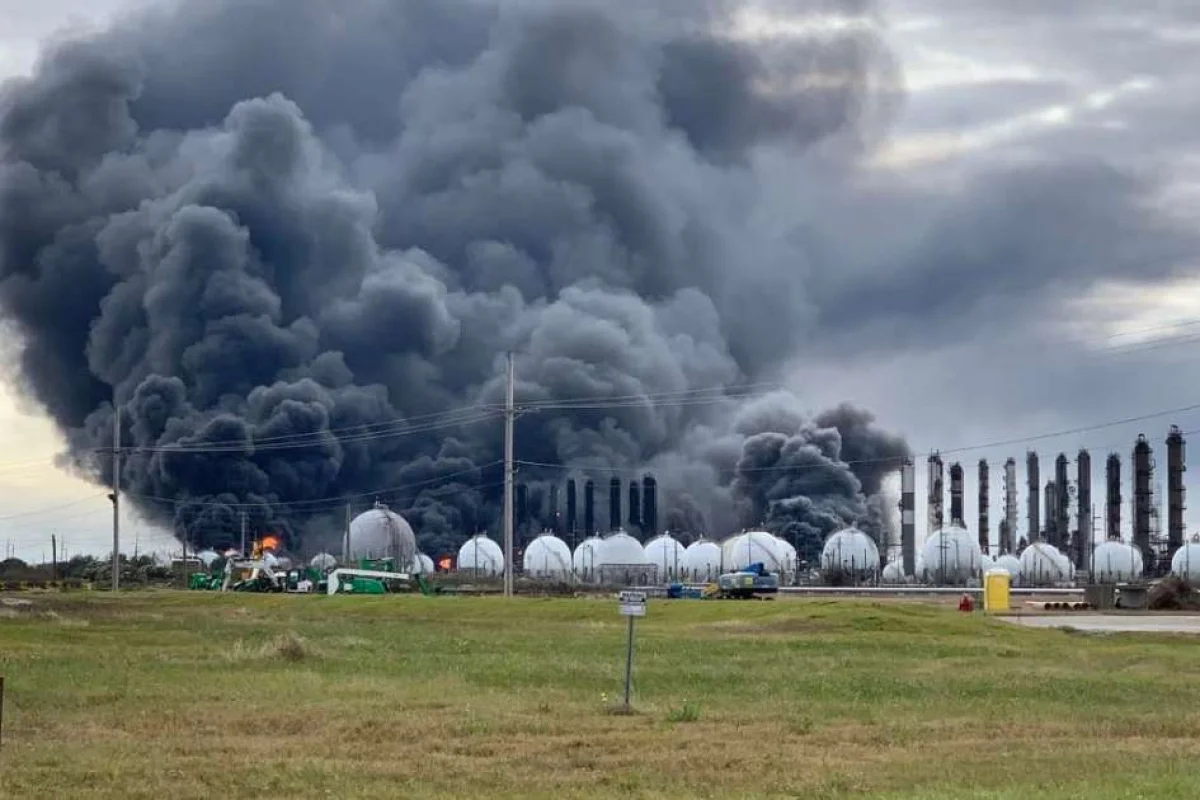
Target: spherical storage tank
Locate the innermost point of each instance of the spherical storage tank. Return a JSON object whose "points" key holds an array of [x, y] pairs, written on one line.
{"points": [[207, 557], [621, 549], [323, 562], [849, 553], [1186, 563], [584, 558], [893, 573], [481, 555], [702, 561], [422, 564], [1116, 562], [1042, 565], [1012, 565], [790, 559], [753, 547], [381, 533], [666, 553], [951, 555], [986, 562], [548, 556]]}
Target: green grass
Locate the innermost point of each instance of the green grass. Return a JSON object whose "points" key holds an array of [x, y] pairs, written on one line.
{"points": [[200, 695]]}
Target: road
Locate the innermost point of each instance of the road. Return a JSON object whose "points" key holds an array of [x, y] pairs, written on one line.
{"points": [[1150, 623]]}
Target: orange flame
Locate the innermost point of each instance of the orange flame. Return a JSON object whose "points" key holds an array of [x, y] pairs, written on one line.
{"points": [[270, 543]]}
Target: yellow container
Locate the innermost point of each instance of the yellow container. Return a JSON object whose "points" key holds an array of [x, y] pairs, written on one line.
{"points": [[996, 590]]}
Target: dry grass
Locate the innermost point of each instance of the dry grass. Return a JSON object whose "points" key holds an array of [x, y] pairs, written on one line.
{"points": [[199, 696]]}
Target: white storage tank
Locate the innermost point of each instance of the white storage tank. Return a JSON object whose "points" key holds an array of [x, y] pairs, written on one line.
{"points": [[951, 556], [548, 557], [583, 561], [893, 574], [752, 547], [1043, 565], [850, 553], [382, 533], [482, 556], [1012, 565], [207, 557], [323, 562], [1186, 563], [1116, 562], [666, 553], [702, 561], [422, 564], [986, 562], [621, 559], [791, 563]]}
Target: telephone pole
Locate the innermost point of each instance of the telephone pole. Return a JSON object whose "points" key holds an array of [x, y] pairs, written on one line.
{"points": [[346, 537], [116, 494], [510, 414], [243, 550]]}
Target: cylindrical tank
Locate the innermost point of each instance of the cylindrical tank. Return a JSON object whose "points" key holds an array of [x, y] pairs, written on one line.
{"points": [[702, 561], [382, 533], [752, 547], [1116, 562], [323, 562], [666, 553], [548, 557], [951, 556], [849, 554], [1042, 565], [1186, 563], [583, 560], [481, 555]]}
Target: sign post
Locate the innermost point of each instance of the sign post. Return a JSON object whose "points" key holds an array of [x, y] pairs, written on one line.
{"points": [[632, 605]]}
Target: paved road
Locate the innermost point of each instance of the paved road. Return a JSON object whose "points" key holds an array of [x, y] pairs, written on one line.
{"points": [[1156, 623]]}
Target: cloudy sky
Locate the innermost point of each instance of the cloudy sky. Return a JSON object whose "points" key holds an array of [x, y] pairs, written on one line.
{"points": [[1046, 281]]}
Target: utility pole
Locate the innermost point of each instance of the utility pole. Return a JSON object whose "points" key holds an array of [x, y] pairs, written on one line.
{"points": [[346, 537], [116, 494], [510, 414], [243, 550]]}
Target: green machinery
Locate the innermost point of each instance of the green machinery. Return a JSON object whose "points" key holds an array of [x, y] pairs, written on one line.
{"points": [[368, 577]]}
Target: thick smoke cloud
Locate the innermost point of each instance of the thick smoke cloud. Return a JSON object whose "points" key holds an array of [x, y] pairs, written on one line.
{"points": [[296, 238]]}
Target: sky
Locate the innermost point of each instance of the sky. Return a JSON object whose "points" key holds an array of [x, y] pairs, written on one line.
{"points": [[1042, 288]]}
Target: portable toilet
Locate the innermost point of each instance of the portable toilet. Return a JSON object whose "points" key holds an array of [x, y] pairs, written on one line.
{"points": [[996, 590]]}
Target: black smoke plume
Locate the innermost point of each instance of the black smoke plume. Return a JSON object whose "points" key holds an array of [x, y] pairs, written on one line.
{"points": [[296, 237]]}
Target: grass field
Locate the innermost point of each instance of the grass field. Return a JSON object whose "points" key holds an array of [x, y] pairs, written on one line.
{"points": [[207, 696]]}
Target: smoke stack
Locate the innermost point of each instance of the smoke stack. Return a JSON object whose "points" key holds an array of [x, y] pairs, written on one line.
{"points": [[650, 505], [614, 504], [1034, 477], [984, 500], [589, 508], [572, 519], [635, 506], [552, 513], [1143, 476], [1083, 498], [1007, 545], [1062, 502], [956, 495], [1051, 511], [1176, 493], [908, 516], [937, 494], [1112, 497]]}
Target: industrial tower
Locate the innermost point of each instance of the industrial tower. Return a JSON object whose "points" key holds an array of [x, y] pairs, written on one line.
{"points": [[1083, 510], [1033, 476], [1112, 497], [984, 534]]}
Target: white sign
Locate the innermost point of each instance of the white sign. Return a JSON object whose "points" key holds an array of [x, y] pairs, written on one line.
{"points": [[633, 604]]}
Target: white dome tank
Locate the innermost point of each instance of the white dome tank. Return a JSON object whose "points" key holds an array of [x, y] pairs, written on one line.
{"points": [[621, 549], [791, 561], [381, 533], [666, 553], [986, 562], [893, 573], [850, 552], [481, 555], [919, 566], [1116, 562], [1013, 565], [548, 556], [207, 557], [1042, 565], [583, 561], [1186, 563], [702, 561], [323, 562], [752, 547], [951, 556], [422, 564]]}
